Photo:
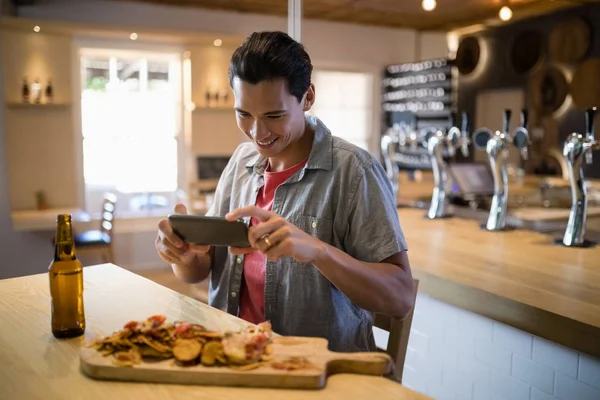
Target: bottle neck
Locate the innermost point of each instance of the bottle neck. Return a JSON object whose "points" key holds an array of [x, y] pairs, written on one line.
{"points": [[64, 249]]}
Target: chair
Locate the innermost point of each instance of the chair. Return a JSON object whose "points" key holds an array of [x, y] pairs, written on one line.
{"points": [[100, 240], [399, 330]]}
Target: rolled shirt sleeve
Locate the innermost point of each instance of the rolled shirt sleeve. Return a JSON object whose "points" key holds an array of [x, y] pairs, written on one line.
{"points": [[373, 232]]}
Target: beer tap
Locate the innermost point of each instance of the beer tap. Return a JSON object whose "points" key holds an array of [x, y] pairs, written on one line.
{"points": [[389, 142], [578, 147], [497, 145], [439, 144], [398, 136]]}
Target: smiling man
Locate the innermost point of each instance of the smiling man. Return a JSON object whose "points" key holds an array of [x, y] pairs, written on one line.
{"points": [[327, 247]]}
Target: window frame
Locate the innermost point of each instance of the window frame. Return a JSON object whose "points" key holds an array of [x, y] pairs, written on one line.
{"points": [[116, 47], [374, 138]]}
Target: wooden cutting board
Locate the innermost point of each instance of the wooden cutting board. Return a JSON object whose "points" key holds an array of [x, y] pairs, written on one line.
{"points": [[323, 363]]}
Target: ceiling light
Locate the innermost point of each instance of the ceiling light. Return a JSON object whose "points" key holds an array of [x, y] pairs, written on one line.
{"points": [[36, 29], [428, 5], [505, 13], [218, 42], [133, 36]]}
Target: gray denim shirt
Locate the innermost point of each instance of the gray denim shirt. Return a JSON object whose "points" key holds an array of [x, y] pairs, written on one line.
{"points": [[341, 196]]}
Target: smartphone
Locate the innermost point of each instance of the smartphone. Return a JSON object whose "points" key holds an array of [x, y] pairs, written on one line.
{"points": [[214, 231]]}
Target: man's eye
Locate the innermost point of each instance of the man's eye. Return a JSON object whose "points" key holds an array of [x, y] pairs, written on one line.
{"points": [[242, 114], [275, 116]]}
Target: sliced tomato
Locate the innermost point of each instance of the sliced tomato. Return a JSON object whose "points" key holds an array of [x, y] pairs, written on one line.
{"points": [[157, 320], [182, 328], [131, 325]]}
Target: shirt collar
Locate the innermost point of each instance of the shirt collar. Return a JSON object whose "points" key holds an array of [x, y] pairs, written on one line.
{"points": [[321, 154]]}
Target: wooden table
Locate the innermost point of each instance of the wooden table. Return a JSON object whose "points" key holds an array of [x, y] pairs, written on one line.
{"points": [[519, 278], [35, 365]]}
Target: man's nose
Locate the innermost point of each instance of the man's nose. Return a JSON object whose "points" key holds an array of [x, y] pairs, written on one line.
{"points": [[259, 130]]}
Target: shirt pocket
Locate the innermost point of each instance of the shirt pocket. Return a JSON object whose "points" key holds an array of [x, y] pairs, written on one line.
{"points": [[321, 228]]}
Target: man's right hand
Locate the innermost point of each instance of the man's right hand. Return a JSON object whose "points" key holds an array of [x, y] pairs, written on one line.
{"points": [[174, 250]]}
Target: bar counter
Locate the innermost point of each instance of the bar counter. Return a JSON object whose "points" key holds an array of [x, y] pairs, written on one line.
{"points": [[517, 277], [500, 314]]}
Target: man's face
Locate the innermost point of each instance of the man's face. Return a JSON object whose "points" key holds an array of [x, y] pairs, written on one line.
{"points": [[269, 115]]}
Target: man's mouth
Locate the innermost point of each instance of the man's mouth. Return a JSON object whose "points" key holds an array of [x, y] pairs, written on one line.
{"points": [[267, 142]]}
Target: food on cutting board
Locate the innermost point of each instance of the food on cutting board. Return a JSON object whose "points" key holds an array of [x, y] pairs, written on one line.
{"points": [[187, 343]]}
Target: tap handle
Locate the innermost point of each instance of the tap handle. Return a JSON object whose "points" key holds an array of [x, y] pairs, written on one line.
{"points": [[453, 121], [589, 122], [464, 148], [521, 141], [507, 114], [427, 136], [588, 157], [524, 118], [465, 124], [481, 137]]}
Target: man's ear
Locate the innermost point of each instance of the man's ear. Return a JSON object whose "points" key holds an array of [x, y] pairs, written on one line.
{"points": [[309, 97]]}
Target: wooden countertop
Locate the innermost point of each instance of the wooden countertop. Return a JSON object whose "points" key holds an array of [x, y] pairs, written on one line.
{"points": [[36, 365], [519, 277], [44, 220]]}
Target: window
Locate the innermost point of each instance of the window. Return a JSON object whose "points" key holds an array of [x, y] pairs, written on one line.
{"points": [[344, 102], [131, 118]]}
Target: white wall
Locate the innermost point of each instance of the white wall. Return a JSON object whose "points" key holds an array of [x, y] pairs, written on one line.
{"points": [[20, 253], [458, 355], [41, 142], [431, 45]]}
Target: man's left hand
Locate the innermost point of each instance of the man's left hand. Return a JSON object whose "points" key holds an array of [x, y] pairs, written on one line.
{"points": [[276, 237]]}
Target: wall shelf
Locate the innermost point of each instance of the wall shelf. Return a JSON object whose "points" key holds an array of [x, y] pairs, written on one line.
{"points": [[42, 106]]}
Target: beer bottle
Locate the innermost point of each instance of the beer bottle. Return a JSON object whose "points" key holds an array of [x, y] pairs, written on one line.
{"points": [[66, 283]]}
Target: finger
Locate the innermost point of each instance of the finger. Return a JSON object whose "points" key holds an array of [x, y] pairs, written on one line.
{"points": [[180, 209], [276, 251], [177, 251], [168, 257], [165, 227], [256, 233], [198, 248], [249, 211], [237, 251], [273, 239]]}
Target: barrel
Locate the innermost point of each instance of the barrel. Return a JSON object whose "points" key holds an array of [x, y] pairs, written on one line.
{"points": [[585, 86], [467, 55], [570, 40], [548, 90]]}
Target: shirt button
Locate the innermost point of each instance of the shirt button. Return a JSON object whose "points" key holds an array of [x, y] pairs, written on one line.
{"points": [[314, 224], [233, 294], [238, 260]]}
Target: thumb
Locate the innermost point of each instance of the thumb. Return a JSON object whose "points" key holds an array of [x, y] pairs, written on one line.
{"points": [[180, 209]]}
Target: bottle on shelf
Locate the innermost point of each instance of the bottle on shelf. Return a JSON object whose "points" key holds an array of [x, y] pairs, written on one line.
{"points": [[25, 91], [36, 91], [66, 283], [207, 97], [49, 92]]}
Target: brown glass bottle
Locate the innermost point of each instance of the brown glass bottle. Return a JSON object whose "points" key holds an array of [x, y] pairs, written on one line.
{"points": [[66, 283]]}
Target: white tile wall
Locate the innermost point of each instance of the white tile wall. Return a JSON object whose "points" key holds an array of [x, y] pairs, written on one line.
{"points": [[458, 355]]}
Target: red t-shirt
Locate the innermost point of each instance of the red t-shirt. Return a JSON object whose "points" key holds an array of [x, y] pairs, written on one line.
{"points": [[252, 292]]}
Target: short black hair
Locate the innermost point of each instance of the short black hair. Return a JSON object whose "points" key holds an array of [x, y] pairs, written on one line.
{"points": [[272, 55]]}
